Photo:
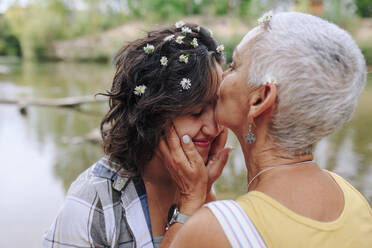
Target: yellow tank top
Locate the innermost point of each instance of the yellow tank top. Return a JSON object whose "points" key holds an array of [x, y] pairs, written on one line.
{"points": [[281, 227]]}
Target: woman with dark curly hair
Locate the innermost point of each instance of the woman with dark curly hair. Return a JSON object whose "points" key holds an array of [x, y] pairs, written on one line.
{"points": [[164, 83]]}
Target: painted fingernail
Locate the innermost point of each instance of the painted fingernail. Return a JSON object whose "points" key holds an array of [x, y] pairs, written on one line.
{"points": [[186, 139]]}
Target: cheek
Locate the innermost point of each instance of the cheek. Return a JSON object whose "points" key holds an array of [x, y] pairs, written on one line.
{"points": [[186, 125], [232, 105], [228, 91]]}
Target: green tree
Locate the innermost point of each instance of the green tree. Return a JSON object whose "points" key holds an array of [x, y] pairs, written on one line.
{"points": [[364, 8], [9, 44], [341, 12], [36, 26]]}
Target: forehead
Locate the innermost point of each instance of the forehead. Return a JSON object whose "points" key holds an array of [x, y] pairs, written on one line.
{"points": [[213, 80]]}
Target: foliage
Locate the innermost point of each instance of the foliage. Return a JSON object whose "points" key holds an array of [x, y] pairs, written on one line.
{"points": [[364, 8], [258, 7], [166, 10], [230, 45], [366, 48], [244, 8], [341, 12], [9, 45], [35, 26]]}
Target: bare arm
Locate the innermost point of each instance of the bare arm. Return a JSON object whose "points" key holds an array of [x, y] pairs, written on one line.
{"points": [[202, 230]]}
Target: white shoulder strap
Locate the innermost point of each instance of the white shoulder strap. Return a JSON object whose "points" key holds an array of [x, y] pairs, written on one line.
{"points": [[238, 228]]}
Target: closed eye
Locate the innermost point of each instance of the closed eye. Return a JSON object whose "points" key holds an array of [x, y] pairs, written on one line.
{"points": [[198, 113]]}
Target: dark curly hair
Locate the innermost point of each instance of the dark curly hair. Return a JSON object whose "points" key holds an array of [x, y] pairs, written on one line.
{"points": [[134, 124]]}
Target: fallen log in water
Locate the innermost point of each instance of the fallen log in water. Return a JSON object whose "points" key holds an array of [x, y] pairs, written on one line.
{"points": [[68, 102]]}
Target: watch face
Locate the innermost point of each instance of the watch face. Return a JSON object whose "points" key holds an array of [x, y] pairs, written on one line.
{"points": [[171, 212]]}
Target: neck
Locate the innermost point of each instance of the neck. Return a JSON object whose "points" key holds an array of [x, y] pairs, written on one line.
{"points": [[158, 182], [261, 155], [156, 173], [161, 193]]}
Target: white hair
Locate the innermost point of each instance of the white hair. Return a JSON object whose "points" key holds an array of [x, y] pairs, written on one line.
{"points": [[320, 73]]}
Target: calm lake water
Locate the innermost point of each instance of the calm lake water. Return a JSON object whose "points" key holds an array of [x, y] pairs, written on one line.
{"points": [[44, 150]]}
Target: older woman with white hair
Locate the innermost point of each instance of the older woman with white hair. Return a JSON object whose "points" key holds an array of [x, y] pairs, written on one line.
{"points": [[294, 80]]}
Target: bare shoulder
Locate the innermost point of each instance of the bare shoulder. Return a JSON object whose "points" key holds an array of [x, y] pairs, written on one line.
{"points": [[201, 230]]}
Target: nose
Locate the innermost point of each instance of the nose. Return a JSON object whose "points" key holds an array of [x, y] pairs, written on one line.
{"points": [[210, 127]]}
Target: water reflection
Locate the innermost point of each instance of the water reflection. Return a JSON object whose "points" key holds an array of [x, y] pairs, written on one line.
{"points": [[28, 191], [38, 165], [40, 156]]}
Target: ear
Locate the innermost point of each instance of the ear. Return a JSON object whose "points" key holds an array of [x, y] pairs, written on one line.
{"points": [[262, 99]]}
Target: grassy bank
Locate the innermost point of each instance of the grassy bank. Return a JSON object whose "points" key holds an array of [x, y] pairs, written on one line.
{"points": [[366, 47]]}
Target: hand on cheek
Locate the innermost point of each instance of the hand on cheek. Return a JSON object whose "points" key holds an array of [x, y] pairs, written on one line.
{"points": [[181, 128], [187, 169]]}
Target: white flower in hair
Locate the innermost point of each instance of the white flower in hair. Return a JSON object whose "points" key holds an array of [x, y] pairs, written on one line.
{"points": [[270, 80], [169, 37], [197, 29], [179, 24], [184, 58], [185, 83], [149, 49], [140, 90], [164, 61], [220, 49], [179, 39], [194, 42], [186, 30], [265, 18]]}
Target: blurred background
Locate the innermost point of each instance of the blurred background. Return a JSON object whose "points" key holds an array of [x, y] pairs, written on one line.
{"points": [[52, 49]]}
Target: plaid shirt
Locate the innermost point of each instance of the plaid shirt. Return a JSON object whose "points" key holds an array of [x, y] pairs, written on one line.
{"points": [[104, 207]]}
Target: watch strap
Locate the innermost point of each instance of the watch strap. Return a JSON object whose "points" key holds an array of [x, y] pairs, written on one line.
{"points": [[181, 218], [175, 217]]}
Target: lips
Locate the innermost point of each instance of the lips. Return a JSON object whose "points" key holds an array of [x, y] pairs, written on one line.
{"points": [[202, 143]]}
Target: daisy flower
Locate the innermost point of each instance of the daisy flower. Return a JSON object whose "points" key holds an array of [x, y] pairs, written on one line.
{"points": [[194, 42], [184, 58], [164, 61], [186, 30], [179, 39], [179, 24], [220, 49], [169, 37], [265, 18], [140, 90], [185, 83], [149, 49], [197, 29], [270, 80]]}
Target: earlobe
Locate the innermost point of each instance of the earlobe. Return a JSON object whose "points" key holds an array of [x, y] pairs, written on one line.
{"points": [[263, 100]]}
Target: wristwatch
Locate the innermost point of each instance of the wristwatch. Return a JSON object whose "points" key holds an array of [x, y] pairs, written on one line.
{"points": [[174, 216]]}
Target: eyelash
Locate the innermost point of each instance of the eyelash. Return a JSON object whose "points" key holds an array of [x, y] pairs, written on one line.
{"points": [[196, 115]]}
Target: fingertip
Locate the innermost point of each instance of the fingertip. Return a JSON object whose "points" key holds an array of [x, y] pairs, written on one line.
{"points": [[186, 139]]}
